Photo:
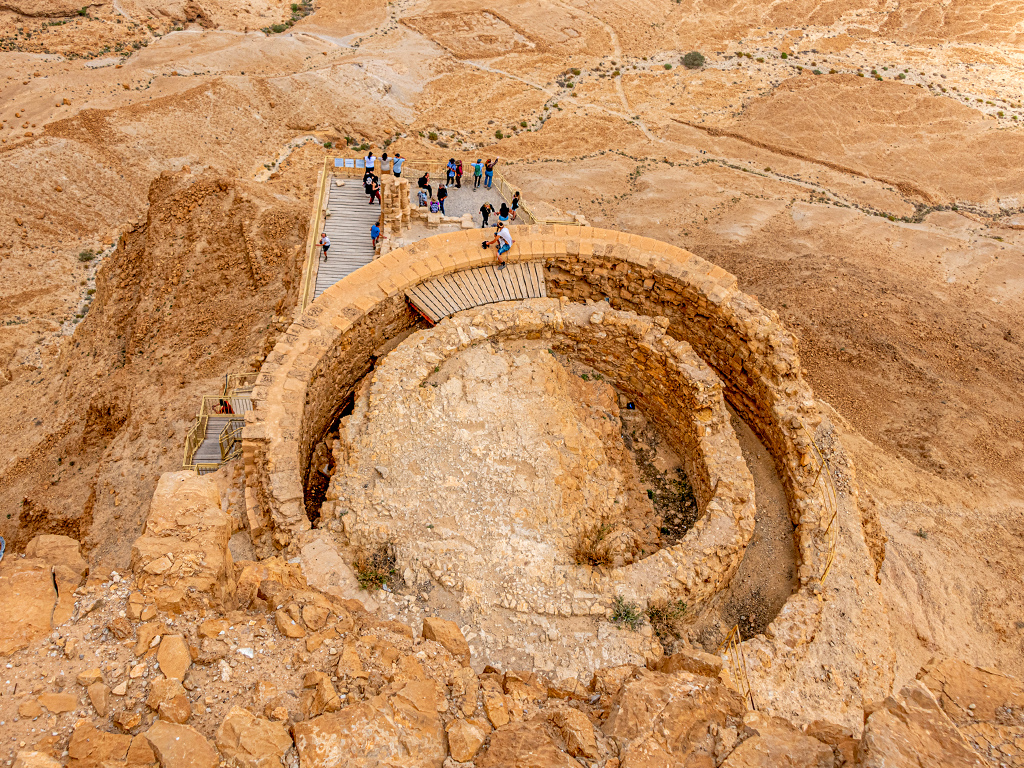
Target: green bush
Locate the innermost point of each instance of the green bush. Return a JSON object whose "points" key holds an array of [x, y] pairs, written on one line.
{"points": [[499, 134], [575, 71], [818, 72], [904, 77], [668, 66], [295, 7], [522, 123], [83, 11], [277, 28], [693, 60], [626, 613], [785, 55], [86, 256], [760, 59], [328, 144], [432, 136]]}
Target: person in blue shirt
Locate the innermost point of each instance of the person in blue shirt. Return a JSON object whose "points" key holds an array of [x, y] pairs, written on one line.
{"points": [[478, 172], [503, 239], [398, 163], [375, 234], [489, 172]]}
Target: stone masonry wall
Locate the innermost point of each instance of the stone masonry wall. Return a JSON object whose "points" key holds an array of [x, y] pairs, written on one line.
{"points": [[313, 367], [673, 387]]}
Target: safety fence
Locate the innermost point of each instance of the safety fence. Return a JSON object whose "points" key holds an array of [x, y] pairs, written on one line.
{"points": [[825, 486], [236, 395], [355, 167]]}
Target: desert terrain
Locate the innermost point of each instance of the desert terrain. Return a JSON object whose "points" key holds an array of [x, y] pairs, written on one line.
{"points": [[858, 166]]}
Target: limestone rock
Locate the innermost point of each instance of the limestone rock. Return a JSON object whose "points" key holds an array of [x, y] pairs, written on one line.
{"points": [[664, 719], [495, 703], [957, 686], [448, 634], [179, 746], [59, 702], [90, 747], [845, 747], [99, 695], [525, 745], [777, 744], [288, 626], [610, 679], [174, 656], [89, 676], [577, 732], [168, 698], [250, 741], [326, 570], [30, 708], [400, 730], [187, 526], [27, 759], [27, 601], [464, 740], [319, 695], [904, 728], [58, 550], [696, 662]]}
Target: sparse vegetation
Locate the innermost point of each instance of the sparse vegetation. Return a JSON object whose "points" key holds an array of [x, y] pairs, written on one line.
{"points": [[592, 548], [693, 60], [626, 614], [499, 134], [921, 533], [86, 256], [328, 144], [668, 66], [375, 569], [785, 56], [666, 617], [432, 136]]}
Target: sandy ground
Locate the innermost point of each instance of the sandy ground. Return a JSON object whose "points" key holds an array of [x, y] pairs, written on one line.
{"points": [[877, 206]]}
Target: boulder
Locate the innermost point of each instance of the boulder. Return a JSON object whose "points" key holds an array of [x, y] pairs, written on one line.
{"points": [[903, 730], [174, 656], [179, 746], [168, 698], [288, 626], [448, 634], [58, 550], [89, 676], [252, 742], [183, 554], [695, 662], [659, 719], [27, 602], [99, 695], [525, 745], [326, 570], [402, 729], [464, 740], [59, 702], [90, 747], [577, 732], [27, 759], [777, 744]]}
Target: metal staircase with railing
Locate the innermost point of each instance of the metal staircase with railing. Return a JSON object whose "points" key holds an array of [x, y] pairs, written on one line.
{"points": [[216, 434]]}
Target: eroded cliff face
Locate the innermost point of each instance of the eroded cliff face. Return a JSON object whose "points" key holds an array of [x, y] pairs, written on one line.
{"points": [[191, 292]]}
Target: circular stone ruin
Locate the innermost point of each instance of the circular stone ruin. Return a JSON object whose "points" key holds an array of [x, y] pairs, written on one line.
{"points": [[444, 459]]}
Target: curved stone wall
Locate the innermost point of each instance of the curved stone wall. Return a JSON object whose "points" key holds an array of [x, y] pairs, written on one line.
{"points": [[670, 384], [310, 374]]}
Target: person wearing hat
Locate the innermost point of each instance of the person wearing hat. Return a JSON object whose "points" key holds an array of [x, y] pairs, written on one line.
{"points": [[478, 173], [503, 239], [451, 171]]}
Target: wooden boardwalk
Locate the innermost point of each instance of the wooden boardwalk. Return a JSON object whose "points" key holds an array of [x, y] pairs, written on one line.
{"points": [[208, 451], [448, 294], [348, 228]]}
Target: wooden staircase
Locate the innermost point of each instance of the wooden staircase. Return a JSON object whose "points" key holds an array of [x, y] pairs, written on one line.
{"points": [[445, 295]]}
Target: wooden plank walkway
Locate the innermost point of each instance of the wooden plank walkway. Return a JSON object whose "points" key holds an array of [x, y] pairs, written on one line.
{"points": [[209, 450], [348, 228], [448, 294]]}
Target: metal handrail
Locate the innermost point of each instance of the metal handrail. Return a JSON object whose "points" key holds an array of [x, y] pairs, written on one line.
{"points": [[230, 439], [193, 440], [737, 664]]}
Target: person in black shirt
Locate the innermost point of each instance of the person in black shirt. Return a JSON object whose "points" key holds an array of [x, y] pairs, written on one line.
{"points": [[442, 195], [486, 210]]}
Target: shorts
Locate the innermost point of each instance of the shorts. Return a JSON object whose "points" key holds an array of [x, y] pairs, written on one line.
{"points": [[503, 248]]}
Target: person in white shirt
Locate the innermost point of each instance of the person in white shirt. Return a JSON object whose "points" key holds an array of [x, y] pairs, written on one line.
{"points": [[503, 239], [399, 162], [371, 161], [325, 243]]}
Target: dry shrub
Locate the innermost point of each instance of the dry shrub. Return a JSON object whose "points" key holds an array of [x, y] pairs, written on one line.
{"points": [[592, 549], [375, 568], [666, 617]]}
